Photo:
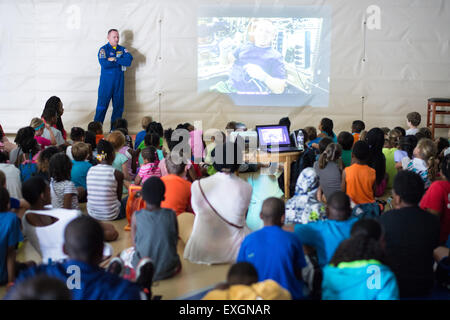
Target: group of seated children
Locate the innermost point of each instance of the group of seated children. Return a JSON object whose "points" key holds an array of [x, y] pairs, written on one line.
{"points": [[329, 241]]}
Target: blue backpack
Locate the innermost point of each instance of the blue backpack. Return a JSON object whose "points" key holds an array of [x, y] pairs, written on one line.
{"points": [[27, 169]]}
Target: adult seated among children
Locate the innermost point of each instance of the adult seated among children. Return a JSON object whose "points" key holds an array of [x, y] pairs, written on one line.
{"points": [[220, 203]]}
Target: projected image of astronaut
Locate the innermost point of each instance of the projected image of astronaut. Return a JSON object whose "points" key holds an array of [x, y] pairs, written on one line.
{"points": [[257, 68], [272, 136]]}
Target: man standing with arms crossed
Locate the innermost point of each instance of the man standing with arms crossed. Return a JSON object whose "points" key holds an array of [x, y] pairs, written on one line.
{"points": [[113, 60]]}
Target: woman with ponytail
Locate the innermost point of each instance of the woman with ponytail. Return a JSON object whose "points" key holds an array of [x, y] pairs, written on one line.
{"points": [[423, 162], [329, 169], [358, 269]]}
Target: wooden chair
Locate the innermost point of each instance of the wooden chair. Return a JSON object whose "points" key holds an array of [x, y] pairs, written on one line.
{"points": [[432, 111]]}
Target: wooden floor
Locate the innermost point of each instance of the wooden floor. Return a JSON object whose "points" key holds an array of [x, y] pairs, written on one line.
{"points": [[192, 277]]}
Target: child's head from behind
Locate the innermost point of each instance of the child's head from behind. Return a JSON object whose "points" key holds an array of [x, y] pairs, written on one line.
{"points": [[117, 139], [312, 133], [80, 151], [326, 125], [120, 123], [408, 188], [243, 273], [36, 189], [332, 153], [95, 127], [145, 122], [425, 149], [401, 130], [375, 140], [4, 199], [345, 139], [338, 206], [90, 139], [361, 151], [358, 126], [149, 155], [152, 140], [413, 119], [43, 160], [424, 133], [323, 143], [153, 191], [77, 134], [408, 143], [394, 138], [272, 212], [105, 152], [38, 125], [83, 240], [60, 167]]}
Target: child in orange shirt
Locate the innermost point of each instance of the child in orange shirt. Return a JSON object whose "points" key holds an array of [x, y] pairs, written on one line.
{"points": [[358, 180]]}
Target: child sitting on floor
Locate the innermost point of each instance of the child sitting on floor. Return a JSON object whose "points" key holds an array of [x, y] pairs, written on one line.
{"points": [[423, 162], [63, 191], [154, 232], [358, 180], [150, 166], [77, 134]]}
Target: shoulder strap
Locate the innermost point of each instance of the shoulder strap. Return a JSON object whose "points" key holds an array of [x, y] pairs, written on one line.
{"points": [[215, 211]]}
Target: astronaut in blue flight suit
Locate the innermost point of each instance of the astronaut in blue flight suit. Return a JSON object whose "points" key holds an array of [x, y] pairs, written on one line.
{"points": [[113, 60]]}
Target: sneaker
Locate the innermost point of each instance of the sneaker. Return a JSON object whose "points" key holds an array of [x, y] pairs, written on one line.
{"points": [[115, 266], [144, 274]]}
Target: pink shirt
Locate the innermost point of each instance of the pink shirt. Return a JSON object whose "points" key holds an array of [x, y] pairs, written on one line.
{"points": [[44, 142], [149, 170]]}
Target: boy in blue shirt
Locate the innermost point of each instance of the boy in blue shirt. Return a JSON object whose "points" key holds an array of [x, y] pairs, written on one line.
{"points": [[275, 253], [83, 243], [325, 236]]}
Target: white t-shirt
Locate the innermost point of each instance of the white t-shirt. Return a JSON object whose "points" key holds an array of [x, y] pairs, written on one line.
{"points": [[13, 183], [48, 240], [214, 240]]}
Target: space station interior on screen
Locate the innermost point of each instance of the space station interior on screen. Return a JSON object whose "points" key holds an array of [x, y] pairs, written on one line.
{"points": [[262, 56]]}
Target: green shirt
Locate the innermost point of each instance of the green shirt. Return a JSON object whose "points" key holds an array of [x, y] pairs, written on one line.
{"points": [[390, 165], [346, 157]]}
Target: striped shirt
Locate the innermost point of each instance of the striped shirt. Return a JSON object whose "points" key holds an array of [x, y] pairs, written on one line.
{"points": [[102, 199]]}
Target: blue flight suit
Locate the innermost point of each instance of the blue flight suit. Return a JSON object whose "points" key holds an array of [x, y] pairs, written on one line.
{"points": [[111, 81]]}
